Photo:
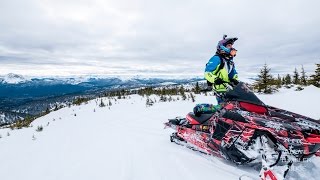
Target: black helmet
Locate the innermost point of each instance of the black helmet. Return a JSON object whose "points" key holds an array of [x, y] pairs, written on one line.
{"points": [[222, 46]]}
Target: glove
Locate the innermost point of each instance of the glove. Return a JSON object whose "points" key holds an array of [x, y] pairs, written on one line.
{"points": [[218, 81], [234, 81]]}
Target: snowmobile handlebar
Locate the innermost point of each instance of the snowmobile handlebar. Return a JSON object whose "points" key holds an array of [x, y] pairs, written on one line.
{"points": [[227, 85]]}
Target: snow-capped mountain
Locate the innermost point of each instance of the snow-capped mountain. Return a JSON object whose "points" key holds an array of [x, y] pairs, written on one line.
{"points": [[13, 79], [127, 141]]}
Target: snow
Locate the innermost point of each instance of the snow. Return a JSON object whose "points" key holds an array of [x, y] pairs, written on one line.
{"points": [[128, 141], [305, 102], [13, 79], [168, 83], [77, 79]]}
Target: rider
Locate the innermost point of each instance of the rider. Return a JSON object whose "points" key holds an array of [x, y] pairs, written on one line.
{"points": [[219, 70]]}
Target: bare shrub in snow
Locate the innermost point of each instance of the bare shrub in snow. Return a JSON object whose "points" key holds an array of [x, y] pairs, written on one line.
{"points": [[299, 88], [149, 102], [192, 97], [102, 104], [39, 129]]}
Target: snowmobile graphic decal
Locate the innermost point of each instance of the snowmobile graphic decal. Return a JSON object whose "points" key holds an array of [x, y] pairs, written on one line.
{"points": [[246, 131]]}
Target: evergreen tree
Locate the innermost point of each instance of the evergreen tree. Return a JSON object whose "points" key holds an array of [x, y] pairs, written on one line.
{"points": [[296, 79], [315, 78], [279, 81], [56, 108], [197, 88], [287, 79], [283, 81], [102, 103], [264, 81], [303, 79], [163, 91], [182, 93], [118, 94], [47, 110]]}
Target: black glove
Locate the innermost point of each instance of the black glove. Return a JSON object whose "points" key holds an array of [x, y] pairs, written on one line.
{"points": [[209, 86], [218, 81], [234, 81]]}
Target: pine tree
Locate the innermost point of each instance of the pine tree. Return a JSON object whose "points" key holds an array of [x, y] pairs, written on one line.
{"points": [[163, 91], [102, 103], [182, 93], [296, 79], [279, 81], [118, 94], [47, 110], [264, 81], [283, 81], [197, 89], [303, 79], [287, 79], [56, 108], [315, 78]]}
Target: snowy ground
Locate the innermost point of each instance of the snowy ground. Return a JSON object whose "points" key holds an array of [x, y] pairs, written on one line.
{"points": [[128, 141]]}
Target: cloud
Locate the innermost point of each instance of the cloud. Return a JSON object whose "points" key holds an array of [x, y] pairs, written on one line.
{"points": [[140, 36]]}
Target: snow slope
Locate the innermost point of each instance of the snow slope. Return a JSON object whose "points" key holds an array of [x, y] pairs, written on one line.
{"points": [[126, 142]]}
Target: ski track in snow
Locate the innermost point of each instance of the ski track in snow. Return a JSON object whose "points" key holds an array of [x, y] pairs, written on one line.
{"points": [[127, 141]]}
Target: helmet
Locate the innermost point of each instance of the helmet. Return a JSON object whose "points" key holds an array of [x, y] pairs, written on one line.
{"points": [[222, 48]]}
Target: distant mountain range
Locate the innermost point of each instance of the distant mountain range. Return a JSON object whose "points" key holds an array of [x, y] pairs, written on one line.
{"points": [[21, 96]]}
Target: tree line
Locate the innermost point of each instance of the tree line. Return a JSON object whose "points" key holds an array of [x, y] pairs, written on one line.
{"points": [[267, 83]]}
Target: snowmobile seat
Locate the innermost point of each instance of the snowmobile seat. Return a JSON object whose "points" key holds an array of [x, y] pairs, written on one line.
{"points": [[193, 119], [234, 116]]}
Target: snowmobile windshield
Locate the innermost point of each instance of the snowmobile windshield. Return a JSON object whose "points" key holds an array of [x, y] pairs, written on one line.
{"points": [[242, 93]]}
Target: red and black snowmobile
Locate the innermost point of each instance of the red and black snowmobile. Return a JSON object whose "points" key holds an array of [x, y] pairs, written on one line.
{"points": [[246, 131]]}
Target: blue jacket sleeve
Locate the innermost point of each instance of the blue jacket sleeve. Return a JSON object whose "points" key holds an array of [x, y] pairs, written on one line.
{"points": [[213, 63]]}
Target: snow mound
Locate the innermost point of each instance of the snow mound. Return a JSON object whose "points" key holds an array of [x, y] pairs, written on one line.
{"points": [[302, 102]]}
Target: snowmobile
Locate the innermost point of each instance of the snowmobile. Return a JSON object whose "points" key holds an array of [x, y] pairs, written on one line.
{"points": [[246, 131]]}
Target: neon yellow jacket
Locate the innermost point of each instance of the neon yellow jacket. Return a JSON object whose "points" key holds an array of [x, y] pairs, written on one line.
{"points": [[215, 70]]}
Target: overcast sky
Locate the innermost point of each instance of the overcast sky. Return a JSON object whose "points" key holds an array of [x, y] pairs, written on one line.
{"points": [[114, 37]]}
